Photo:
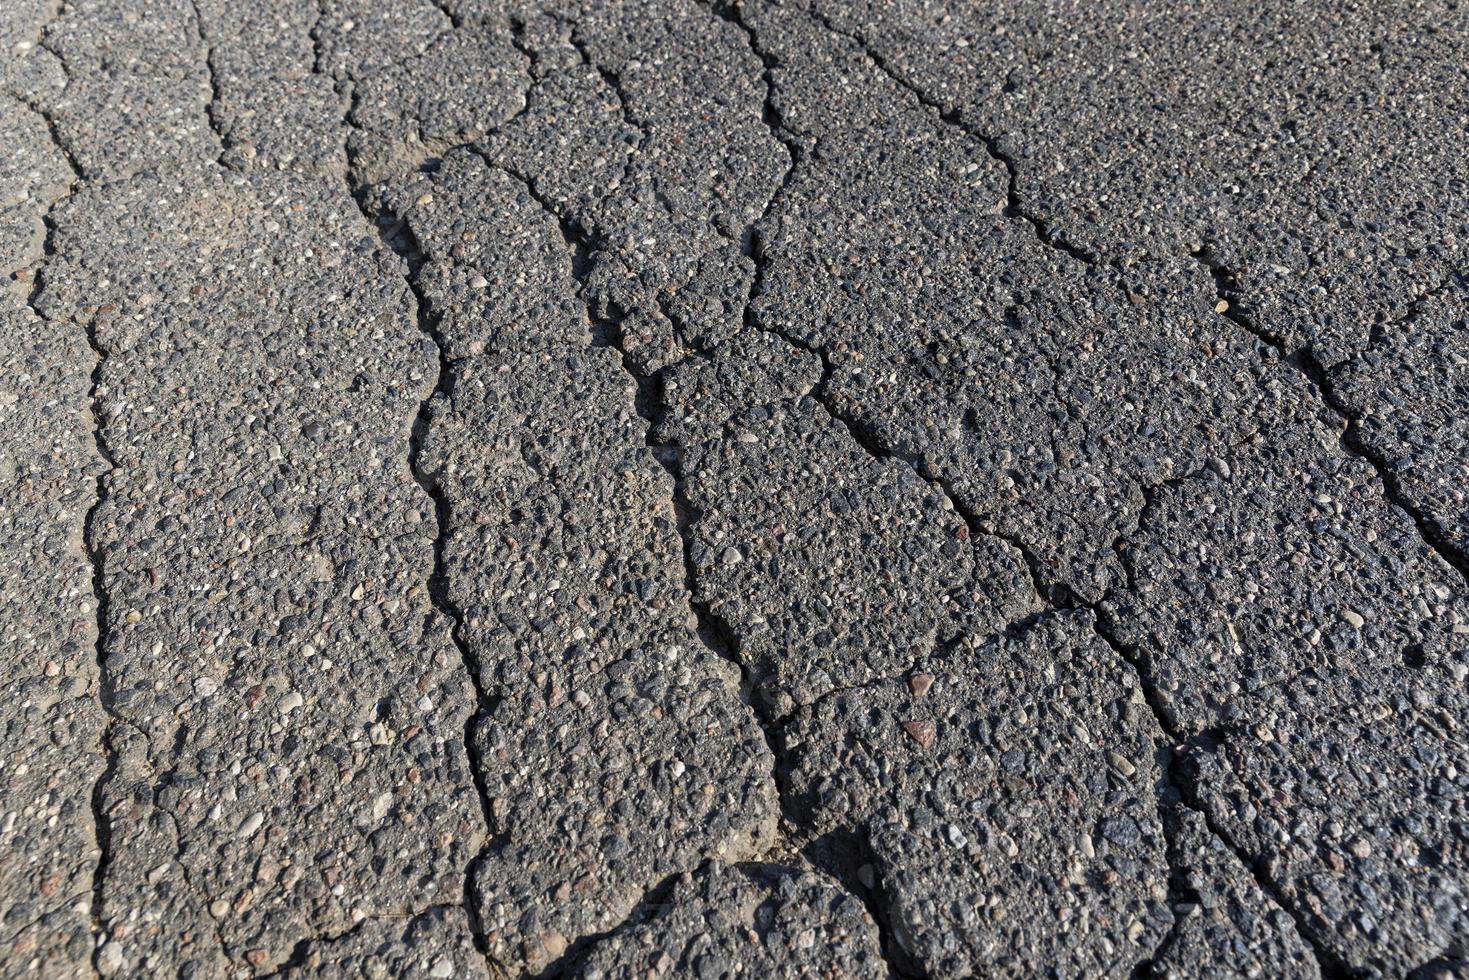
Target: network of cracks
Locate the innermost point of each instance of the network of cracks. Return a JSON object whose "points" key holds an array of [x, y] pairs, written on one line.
{"points": [[614, 490]]}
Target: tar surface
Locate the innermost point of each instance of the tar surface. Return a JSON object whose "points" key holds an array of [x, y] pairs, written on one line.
{"points": [[660, 488]]}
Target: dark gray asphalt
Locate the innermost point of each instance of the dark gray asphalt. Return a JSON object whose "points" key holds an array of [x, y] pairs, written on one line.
{"points": [[805, 488]]}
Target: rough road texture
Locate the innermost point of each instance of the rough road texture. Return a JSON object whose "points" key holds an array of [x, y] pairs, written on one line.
{"points": [[692, 488]]}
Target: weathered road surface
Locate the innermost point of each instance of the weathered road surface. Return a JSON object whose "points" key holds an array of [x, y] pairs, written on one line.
{"points": [[917, 489]]}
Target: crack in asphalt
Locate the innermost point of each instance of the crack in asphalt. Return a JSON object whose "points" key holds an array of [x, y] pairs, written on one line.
{"points": [[1060, 597], [101, 602], [716, 634], [1180, 892], [648, 402], [1381, 328], [1177, 746], [1054, 596], [408, 252], [730, 11], [438, 581], [455, 21], [1014, 207], [1350, 438], [532, 56], [178, 858], [1226, 288], [318, 52], [1177, 786], [102, 823], [300, 953], [564, 966], [211, 110], [859, 433], [613, 81]]}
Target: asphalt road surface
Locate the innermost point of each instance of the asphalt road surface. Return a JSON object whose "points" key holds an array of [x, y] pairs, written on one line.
{"points": [[930, 488]]}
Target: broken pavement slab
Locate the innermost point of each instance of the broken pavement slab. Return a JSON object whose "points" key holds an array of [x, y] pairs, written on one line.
{"points": [[1006, 795]]}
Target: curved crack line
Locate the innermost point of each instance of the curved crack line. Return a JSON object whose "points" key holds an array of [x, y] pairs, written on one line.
{"points": [[518, 29], [300, 956], [1350, 438], [1014, 208], [1302, 358], [613, 80], [395, 235], [564, 966], [853, 846], [1060, 597], [107, 748], [433, 149], [211, 110], [1380, 329], [769, 115], [713, 632], [716, 634], [407, 249], [101, 821]]}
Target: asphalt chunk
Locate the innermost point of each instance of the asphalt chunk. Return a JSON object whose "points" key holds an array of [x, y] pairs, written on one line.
{"points": [[1227, 924], [765, 920], [1047, 396], [851, 571], [272, 108], [1298, 143], [1005, 836], [121, 115], [1349, 800], [36, 173], [1406, 392], [54, 721], [427, 103]]}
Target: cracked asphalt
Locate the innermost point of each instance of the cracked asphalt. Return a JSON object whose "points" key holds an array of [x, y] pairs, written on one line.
{"points": [[919, 488]]}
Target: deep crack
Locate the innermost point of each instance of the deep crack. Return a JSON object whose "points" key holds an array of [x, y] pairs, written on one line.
{"points": [[1180, 892], [841, 855], [613, 81], [769, 115], [438, 582], [101, 824], [954, 117], [648, 402], [396, 236], [300, 953], [715, 634], [1180, 744], [564, 966], [1178, 784], [1058, 596], [211, 111], [1304, 360]]}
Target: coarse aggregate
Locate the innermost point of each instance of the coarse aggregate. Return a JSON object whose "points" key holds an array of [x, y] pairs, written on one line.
{"points": [[920, 488]]}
